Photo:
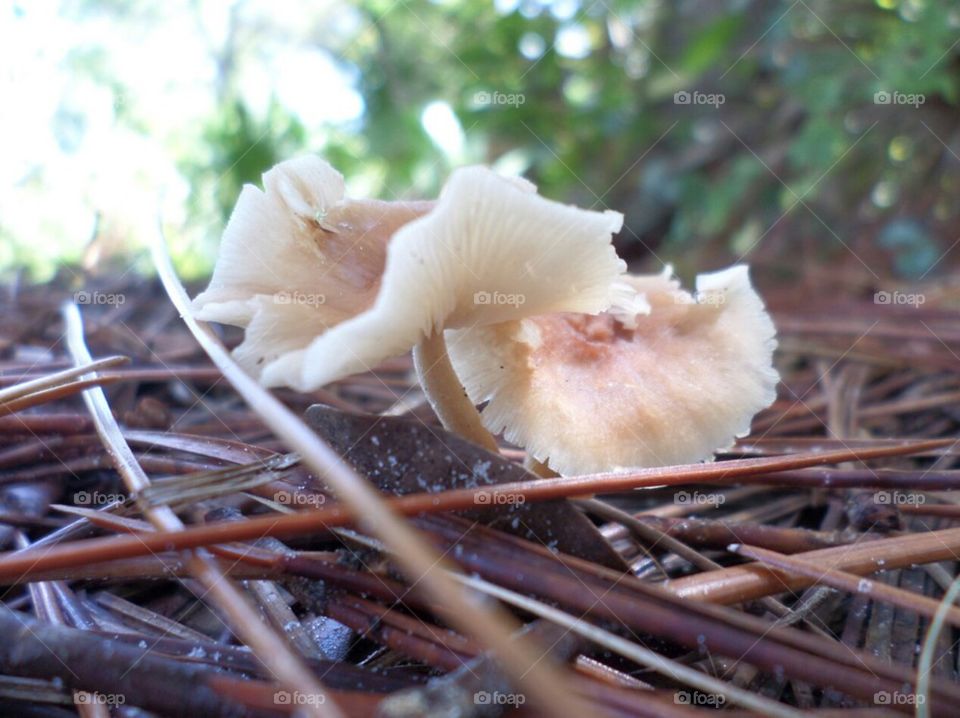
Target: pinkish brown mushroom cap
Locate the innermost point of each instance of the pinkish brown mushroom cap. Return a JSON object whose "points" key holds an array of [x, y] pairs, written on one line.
{"points": [[297, 258], [491, 250], [589, 394]]}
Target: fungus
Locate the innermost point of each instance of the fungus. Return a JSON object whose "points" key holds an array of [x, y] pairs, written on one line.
{"points": [[491, 250], [589, 369], [667, 385], [297, 258], [328, 286]]}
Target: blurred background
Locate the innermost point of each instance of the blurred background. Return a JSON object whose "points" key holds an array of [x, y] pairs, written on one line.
{"points": [[807, 135]]}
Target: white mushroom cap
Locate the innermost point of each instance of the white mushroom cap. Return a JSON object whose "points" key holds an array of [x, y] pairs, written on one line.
{"points": [[588, 394], [297, 258], [491, 250]]}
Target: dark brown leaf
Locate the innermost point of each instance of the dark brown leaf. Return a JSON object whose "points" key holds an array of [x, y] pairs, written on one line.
{"points": [[405, 456]]}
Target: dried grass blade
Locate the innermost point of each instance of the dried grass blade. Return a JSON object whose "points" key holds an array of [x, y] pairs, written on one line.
{"points": [[271, 649]]}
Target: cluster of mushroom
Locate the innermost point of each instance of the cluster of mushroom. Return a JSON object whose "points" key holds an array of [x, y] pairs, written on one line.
{"points": [[507, 299]]}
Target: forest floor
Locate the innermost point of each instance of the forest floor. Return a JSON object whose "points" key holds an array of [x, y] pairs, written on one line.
{"points": [[805, 569]]}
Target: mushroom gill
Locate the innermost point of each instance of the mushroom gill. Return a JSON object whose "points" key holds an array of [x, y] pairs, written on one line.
{"points": [[587, 394]]}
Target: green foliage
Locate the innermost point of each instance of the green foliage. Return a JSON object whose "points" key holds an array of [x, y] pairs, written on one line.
{"points": [[241, 149], [798, 145], [795, 148]]}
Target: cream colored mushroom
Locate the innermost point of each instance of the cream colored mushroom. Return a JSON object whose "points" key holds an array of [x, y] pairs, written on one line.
{"points": [[491, 250], [297, 258], [328, 286], [588, 394]]}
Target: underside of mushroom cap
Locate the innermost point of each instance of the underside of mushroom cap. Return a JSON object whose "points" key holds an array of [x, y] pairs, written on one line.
{"points": [[297, 258], [589, 394], [263, 250], [490, 251]]}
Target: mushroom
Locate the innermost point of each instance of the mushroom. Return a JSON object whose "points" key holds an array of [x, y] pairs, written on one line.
{"points": [[668, 384], [328, 286], [298, 258], [491, 250]]}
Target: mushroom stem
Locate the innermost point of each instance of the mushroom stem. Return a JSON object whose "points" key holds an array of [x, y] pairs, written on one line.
{"points": [[445, 392], [535, 466]]}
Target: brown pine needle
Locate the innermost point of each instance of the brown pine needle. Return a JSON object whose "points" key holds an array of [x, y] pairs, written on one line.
{"points": [[632, 651], [60, 391], [58, 378], [743, 583], [15, 566], [849, 582], [271, 649]]}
